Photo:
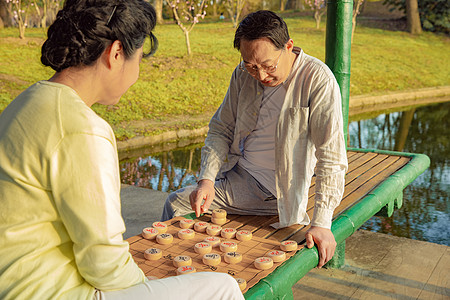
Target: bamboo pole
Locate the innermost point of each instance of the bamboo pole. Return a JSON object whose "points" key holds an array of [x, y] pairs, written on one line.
{"points": [[338, 47]]}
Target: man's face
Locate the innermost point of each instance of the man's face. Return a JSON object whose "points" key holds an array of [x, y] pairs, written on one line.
{"points": [[267, 64]]}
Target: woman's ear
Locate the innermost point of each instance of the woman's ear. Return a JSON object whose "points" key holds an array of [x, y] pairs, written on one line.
{"points": [[115, 54]]}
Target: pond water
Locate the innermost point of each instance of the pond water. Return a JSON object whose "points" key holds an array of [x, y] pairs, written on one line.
{"points": [[425, 214]]}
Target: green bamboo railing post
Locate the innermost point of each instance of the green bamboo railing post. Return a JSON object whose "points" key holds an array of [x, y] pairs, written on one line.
{"points": [[338, 47], [338, 59]]}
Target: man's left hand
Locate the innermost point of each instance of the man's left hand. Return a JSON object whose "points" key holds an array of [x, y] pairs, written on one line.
{"points": [[324, 239]]}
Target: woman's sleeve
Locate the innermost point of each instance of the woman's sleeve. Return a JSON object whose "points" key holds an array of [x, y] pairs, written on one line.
{"points": [[85, 184]]}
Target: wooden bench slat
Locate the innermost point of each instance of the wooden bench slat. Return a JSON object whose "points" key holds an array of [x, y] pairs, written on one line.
{"points": [[353, 172], [376, 162], [360, 160], [239, 222], [385, 168], [266, 229], [350, 154], [366, 177], [259, 222], [355, 156], [364, 189], [285, 233]]}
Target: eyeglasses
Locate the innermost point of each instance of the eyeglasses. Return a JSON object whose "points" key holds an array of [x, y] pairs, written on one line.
{"points": [[252, 70]]}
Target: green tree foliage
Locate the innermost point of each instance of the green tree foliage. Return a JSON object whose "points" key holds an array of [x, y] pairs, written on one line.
{"points": [[434, 14]]}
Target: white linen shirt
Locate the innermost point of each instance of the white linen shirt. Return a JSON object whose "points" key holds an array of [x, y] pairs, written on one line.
{"points": [[309, 134]]}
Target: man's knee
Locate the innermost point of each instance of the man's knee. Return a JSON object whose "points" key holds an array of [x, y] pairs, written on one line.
{"points": [[171, 198], [177, 203], [168, 209]]}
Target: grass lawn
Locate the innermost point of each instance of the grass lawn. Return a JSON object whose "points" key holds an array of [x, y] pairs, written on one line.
{"points": [[175, 91]]}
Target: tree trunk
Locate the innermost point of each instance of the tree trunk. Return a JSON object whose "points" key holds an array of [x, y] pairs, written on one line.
{"points": [[232, 17], [402, 133], [282, 5], [412, 17], [230, 9], [52, 10], [353, 28], [158, 9], [21, 24], [359, 135], [214, 8], [356, 10], [21, 31], [317, 17], [4, 14], [299, 5], [44, 20], [44, 15], [164, 167], [188, 43], [38, 14]]}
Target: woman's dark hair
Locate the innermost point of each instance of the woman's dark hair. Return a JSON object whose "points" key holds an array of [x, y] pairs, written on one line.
{"points": [[83, 29], [262, 24]]}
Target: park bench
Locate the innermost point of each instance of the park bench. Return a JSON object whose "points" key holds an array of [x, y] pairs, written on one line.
{"points": [[374, 182]]}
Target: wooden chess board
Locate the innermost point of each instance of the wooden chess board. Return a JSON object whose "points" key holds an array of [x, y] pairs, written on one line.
{"points": [[164, 267]]}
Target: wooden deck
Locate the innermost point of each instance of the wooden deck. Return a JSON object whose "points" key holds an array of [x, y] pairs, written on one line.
{"points": [[365, 172]]}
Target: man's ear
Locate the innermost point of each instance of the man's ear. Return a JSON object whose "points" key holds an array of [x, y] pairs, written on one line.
{"points": [[290, 44], [115, 54]]}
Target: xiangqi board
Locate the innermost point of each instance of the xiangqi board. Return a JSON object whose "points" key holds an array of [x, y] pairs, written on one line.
{"points": [[164, 267]]}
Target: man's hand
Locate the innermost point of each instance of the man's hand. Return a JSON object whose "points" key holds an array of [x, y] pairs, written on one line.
{"points": [[325, 241], [204, 192]]}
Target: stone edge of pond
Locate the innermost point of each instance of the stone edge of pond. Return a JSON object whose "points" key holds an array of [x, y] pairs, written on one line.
{"points": [[169, 136], [367, 103], [356, 105]]}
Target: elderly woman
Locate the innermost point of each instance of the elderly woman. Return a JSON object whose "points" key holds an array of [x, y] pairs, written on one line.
{"points": [[60, 220]]}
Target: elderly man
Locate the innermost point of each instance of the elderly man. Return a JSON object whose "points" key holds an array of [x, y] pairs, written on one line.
{"points": [[280, 123]]}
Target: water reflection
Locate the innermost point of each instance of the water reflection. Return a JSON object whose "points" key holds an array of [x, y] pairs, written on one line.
{"points": [[425, 213], [164, 171]]}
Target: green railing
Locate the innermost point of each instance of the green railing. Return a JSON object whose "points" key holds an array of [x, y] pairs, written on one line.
{"points": [[278, 285]]}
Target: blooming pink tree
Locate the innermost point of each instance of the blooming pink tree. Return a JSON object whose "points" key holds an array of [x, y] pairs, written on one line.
{"points": [[19, 10], [187, 13], [318, 6]]}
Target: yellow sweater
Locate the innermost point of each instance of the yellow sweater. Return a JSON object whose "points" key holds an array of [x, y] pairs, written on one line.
{"points": [[60, 217]]}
